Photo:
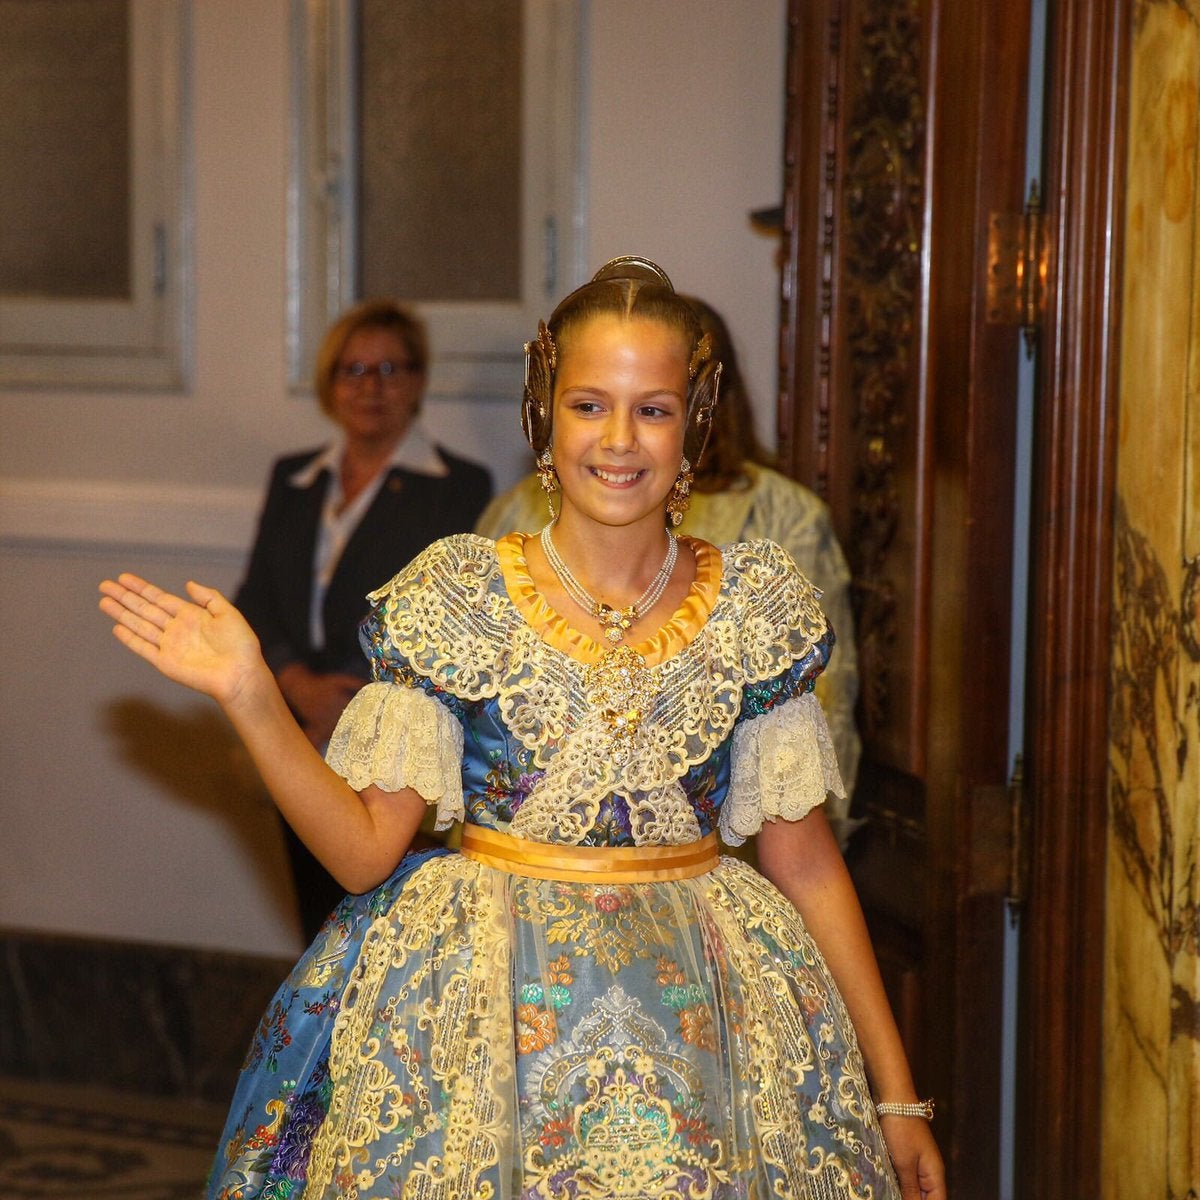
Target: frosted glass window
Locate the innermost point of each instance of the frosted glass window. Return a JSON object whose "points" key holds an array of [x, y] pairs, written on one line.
{"points": [[64, 148], [439, 187], [94, 248], [435, 159]]}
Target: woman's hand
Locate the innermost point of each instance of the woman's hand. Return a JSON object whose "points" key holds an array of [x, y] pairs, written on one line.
{"points": [[203, 643], [915, 1156]]}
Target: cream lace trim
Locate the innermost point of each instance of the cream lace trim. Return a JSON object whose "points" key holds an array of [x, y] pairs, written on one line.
{"points": [[563, 804], [448, 617], [422, 1048], [398, 737], [783, 764]]}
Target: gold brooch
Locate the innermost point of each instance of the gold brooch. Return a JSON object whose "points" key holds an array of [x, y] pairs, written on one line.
{"points": [[620, 687]]}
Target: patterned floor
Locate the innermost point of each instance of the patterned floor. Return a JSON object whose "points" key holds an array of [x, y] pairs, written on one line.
{"points": [[59, 1142]]}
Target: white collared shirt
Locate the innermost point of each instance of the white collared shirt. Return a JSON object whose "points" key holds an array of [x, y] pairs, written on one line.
{"points": [[415, 452]]}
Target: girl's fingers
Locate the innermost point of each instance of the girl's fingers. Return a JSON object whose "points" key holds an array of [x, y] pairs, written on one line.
{"points": [[145, 599], [151, 594], [206, 597], [131, 622], [128, 609], [139, 645], [133, 599]]}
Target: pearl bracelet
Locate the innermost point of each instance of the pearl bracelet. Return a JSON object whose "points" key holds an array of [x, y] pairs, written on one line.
{"points": [[922, 1109]]}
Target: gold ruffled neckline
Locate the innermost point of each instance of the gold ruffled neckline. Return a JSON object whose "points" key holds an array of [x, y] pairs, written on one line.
{"points": [[670, 639]]}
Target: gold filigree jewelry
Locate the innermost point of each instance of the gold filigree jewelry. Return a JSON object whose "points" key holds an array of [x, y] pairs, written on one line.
{"points": [[541, 357], [701, 355], [616, 621], [548, 478], [549, 349], [681, 493], [621, 688], [702, 404]]}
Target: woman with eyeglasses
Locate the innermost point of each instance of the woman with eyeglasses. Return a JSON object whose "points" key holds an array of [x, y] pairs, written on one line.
{"points": [[338, 519]]}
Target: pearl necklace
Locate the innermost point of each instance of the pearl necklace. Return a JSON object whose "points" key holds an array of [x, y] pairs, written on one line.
{"points": [[617, 621]]}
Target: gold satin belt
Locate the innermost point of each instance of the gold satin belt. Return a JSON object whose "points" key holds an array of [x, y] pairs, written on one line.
{"points": [[589, 864]]}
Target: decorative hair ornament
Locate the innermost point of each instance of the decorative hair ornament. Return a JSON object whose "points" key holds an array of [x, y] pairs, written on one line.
{"points": [[701, 355], [541, 357], [547, 344], [630, 266], [702, 404]]}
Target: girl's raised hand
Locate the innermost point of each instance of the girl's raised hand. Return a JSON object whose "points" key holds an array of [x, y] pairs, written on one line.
{"points": [[202, 642]]}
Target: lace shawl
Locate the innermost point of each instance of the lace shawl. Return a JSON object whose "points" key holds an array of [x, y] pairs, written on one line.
{"points": [[447, 623], [774, 507]]}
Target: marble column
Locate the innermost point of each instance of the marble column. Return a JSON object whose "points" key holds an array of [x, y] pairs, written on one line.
{"points": [[1152, 974]]}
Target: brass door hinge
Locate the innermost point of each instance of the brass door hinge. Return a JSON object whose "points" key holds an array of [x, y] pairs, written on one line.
{"points": [[998, 854], [1017, 260]]}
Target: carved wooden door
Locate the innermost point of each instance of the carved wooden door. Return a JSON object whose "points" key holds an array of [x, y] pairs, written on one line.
{"points": [[906, 130]]}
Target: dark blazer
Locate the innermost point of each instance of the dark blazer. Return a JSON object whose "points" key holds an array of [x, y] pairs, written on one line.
{"points": [[408, 512]]}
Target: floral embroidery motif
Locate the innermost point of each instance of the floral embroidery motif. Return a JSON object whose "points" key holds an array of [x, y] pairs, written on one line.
{"points": [[610, 925], [272, 1038], [634, 1131], [507, 785], [689, 1001], [535, 1028]]}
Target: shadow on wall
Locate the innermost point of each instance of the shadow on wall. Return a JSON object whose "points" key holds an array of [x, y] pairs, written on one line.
{"points": [[194, 757]]}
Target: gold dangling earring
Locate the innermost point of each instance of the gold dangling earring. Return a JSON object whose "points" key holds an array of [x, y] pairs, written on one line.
{"points": [[548, 478], [681, 494]]}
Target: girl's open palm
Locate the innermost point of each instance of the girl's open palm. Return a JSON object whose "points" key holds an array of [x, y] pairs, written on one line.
{"points": [[202, 642]]}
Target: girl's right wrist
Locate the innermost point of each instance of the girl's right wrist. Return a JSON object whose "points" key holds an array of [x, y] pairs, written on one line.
{"points": [[257, 694]]}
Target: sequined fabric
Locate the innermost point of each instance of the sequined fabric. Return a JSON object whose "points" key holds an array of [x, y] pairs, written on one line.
{"points": [[464, 1031]]}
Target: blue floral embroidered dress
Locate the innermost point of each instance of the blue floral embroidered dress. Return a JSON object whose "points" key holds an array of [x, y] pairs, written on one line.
{"points": [[467, 1030]]}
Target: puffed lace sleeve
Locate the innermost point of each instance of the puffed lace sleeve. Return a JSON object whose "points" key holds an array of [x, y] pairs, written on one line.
{"points": [[395, 736], [783, 762], [783, 765], [403, 730], [799, 521]]}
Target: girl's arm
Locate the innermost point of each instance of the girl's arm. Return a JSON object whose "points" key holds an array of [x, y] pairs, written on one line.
{"points": [[802, 859], [206, 644]]}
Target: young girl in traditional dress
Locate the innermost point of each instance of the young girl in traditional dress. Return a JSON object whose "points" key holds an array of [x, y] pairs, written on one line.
{"points": [[586, 1001]]}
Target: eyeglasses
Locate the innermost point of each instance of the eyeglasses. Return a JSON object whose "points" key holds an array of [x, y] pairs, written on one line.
{"points": [[386, 372]]}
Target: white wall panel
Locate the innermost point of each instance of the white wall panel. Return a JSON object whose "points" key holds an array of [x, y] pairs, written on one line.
{"points": [[124, 808]]}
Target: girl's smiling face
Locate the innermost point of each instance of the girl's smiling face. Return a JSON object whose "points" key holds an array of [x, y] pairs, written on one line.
{"points": [[620, 403]]}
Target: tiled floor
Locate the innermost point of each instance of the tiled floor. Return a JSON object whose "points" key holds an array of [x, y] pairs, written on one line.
{"points": [[86, 1144]]}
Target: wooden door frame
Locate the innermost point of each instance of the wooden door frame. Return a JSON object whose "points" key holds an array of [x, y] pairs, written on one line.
{"points": [[1067, 731], [903, 135], [1067, 679]]}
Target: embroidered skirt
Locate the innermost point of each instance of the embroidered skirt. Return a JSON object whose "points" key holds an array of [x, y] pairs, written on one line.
{"points": [[465, 1031]]}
